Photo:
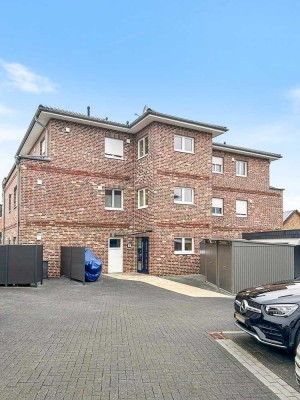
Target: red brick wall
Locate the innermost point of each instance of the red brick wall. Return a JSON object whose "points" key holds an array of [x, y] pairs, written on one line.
{"points": [[10, 229], [68, 208], [264, 204], [64, 199]]}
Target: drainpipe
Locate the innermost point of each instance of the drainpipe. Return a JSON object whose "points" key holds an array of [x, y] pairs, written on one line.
{"points": [[3, 209]]}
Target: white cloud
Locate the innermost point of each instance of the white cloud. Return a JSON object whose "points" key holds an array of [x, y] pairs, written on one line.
{"points": [[9, 132], [25, 80], [5, 110], [294, 94]]}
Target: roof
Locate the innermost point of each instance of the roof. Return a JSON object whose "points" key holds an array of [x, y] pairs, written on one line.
{"points": [[246, 151], [44, 114], [288, 214]]}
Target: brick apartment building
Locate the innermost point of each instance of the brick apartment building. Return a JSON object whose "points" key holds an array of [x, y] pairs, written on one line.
{"points": [[140, 195]]}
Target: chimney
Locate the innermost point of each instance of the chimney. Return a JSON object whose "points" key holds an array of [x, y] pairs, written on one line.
{"points": [[88, 111]]}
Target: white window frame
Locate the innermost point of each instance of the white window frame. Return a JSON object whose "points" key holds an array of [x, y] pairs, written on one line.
{"points": [[241, 208], [117, 153], [182, 149], [113, 200], [43, 147], [217, 161], [144, 147], [145, 197], [183, 251], [238, 167], [217, 202], [183, 195]]}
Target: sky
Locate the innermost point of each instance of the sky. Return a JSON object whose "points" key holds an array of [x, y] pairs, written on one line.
{"points": [[234, 63]]}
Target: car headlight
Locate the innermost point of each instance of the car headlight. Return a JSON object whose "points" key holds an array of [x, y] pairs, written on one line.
{"points": [[281, 310]]}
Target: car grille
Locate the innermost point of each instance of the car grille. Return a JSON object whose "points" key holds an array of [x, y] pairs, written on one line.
{"points": [[271, 331]]}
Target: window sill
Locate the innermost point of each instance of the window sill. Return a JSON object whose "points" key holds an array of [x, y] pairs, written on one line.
{"points": [[184, 203], [184, 151], [139, 208], [143, 156], [220, 173], [114, 209], [114, 157], [241, 176], [241, 216], [218, 215], [184, 252]]}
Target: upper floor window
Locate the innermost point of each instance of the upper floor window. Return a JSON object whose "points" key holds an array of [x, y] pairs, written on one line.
{"points": [[184, 144], [114, 199], [217, 206], [143, 147], [113, 148], [15, 196], [43, 147], [9, 202], [142, 198], [241, 168], [217, 165], [183, 195], [241, 208], [184, 245]]}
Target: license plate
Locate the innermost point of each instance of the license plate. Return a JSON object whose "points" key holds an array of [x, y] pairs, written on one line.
{"points": [[240, 318]]}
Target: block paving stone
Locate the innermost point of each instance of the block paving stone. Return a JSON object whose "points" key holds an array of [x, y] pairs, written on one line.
{"points": [[116, 339]]}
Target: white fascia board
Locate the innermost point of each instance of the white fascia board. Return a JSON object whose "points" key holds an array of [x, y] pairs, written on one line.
{"points": [[188, 125], [245, 152], [44, 118], [79, 120]]}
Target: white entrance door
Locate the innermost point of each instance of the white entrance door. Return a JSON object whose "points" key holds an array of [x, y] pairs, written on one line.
{"points": [[115, 255]]}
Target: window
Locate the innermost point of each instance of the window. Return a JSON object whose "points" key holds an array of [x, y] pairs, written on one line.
{"points": [[184, 195], [241, 168], [143, 147], [184, 144], [184, 245], [15, 196], [43, 147], [217, 206], [113, 148], [9, 202], [114, 199], [217, 165], [142, 198], [241, 208]]}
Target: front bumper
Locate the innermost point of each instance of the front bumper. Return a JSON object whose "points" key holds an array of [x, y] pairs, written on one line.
{"points": [[264, 331]]}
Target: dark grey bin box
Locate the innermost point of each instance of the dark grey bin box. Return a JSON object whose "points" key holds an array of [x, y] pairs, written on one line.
{"points": [[21, 264]]}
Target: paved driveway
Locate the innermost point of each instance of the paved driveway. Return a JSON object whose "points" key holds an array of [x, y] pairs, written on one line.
{"points": [[117, 339]]}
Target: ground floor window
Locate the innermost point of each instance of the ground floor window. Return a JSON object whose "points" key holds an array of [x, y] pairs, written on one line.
{"points": [[184, 245]]}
